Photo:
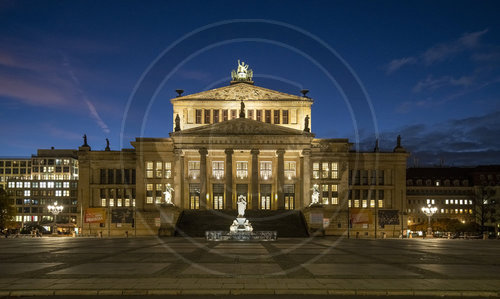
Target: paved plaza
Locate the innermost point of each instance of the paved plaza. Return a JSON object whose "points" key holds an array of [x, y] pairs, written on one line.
{"points": [[164, 266]]}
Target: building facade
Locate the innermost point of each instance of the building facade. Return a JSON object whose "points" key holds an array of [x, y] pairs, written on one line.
{"points": [[13, 168], [52, 177], [242, 140]]}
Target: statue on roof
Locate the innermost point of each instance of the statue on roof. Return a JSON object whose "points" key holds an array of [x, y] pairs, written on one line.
{"points": [[242, 110], [306, 124], [107, 145], [177, 123], [242, 73]]}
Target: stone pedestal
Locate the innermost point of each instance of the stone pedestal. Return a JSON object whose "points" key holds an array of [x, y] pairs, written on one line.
{"points": [[168, 219], [314, 215]]}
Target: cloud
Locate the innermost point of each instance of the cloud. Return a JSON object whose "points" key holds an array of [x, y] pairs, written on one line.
{"points": [[466, 141], [439, 52], [430, 83], [396, 64]]}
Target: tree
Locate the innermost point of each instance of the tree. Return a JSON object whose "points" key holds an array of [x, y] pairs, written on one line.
{"points": [[7, 211], [487, 208]]}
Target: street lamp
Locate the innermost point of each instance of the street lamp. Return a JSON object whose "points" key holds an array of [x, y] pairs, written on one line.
{"points": [[55, 210], [429, 211]]}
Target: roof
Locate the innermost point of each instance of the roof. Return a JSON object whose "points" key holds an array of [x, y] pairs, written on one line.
{"points": [[242, 91]]}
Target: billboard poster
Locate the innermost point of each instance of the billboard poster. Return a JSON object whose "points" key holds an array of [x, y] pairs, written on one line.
{"points": [[361, 216], [388, 217], [122, 215], [95, 215]]}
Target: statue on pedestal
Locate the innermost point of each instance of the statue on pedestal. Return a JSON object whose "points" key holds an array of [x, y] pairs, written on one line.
{"points": [[315, 195], [168, 194], [242, 205]]}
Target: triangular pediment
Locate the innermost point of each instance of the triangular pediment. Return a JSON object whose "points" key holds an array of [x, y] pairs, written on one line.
{"points": [[242, 92], [241, 126]]}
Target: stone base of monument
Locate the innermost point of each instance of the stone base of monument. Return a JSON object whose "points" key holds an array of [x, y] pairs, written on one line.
{"points": [[240, 230], [241, 236]]}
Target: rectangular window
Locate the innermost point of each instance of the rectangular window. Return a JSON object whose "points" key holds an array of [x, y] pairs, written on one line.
{"points": [[50, 184], [290, 169], [365, 203], [119, 177], [266, 170], [111, 176], [356, 203], [194, 196], [381, 177], [258, 115], [149, 193], [285, 117], [335, 200], [65, 184], [126, 176], [325, 170], [380, 194], [242, 169], [380, 203], [250, 113], [159, 169], [194, 169], [268, 116], [65, 192], [158, 193], [216, 116], [28, 193], [324, 194], [225, 115], [198, 116], [207, 116], [276, 116], [111, 202], [335, 170], [218, 169], [356, 177], [149, 169], [315, 170], [103, 202], [373, 177], [168, 170], [26, 184], [372, 203], [233, 113]]}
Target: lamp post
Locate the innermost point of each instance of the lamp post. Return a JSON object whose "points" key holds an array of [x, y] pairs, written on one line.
{"points": [[55, 210], [429, 211]]}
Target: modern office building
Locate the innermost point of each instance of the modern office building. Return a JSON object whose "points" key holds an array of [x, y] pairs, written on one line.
{"points": [[52, 177], [13, 168], [247, 141]]}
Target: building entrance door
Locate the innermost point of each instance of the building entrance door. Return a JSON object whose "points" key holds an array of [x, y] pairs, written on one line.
{"points": [[265, 197], [218, 196], [289, 191], [194, 196]]}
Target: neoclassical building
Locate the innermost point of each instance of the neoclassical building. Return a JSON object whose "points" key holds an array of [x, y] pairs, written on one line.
{"points": [[242, 140]]}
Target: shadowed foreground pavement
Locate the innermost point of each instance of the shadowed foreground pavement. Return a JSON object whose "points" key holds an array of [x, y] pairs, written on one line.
{"points": [[173, 266]]}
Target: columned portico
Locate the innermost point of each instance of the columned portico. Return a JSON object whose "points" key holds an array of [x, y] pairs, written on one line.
{"points": [[229, 178], [255, 178], [281, 178], [203, 178]]}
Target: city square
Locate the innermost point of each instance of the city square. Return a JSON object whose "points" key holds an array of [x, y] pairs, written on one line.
{"points": [[302, 266]]}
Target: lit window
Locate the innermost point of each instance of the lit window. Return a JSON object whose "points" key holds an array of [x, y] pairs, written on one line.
{"points": [[149, 169], [372, 203], [19, 184], [65, 184], [265, 169], [111, 202], [335, 188], [446, 201], [58, 193], [50, 184], [315, 170], [149, 193], [349, 203], [461, 202], [168, 170], [242, 170], [433, 201], [324, 198], [437, 183], [11, 184], [325, 170], [158, 193], [26, 184], [365, 203], [127, 202], [290, 170], [194, 169], [335, 170], [65, 192], [218, 169], [335, 200], [356, 203], [380, 203], [159, 169], [43, 184], [442, 211], [119, 202], [27, 193]]}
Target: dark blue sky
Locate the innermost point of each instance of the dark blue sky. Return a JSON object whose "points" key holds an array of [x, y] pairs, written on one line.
{"points": [[430, 69]]}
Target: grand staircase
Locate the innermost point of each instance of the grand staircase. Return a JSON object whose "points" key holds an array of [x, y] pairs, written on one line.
{"points": [[288, 223]]}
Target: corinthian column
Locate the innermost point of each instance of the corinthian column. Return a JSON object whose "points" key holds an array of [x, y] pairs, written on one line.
{"points": [[281, 178], [306, 178], [255, 179], [203, 178], [229, 178]]}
